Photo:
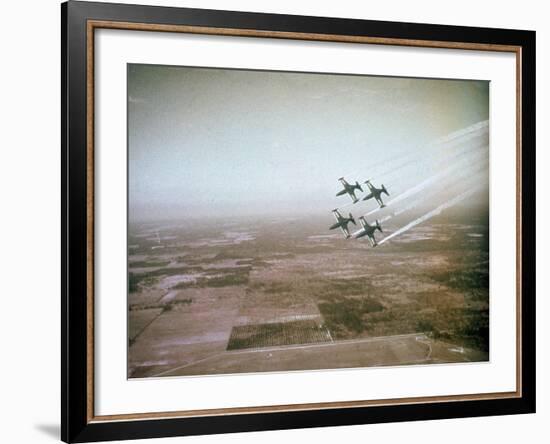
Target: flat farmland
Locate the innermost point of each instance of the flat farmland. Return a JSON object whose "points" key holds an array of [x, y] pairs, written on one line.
{"points": [[288, 294]]}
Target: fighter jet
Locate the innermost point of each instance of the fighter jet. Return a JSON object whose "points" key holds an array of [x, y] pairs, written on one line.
{"points": [[350, 189], [342, 222], [376, 193], [368, 230]]}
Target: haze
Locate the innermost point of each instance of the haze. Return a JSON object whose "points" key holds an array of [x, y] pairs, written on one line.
{"points": [[224, 143]]}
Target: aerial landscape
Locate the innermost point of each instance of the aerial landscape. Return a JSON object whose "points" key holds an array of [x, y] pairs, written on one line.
{"points": [[235, 298], [265, 258]]}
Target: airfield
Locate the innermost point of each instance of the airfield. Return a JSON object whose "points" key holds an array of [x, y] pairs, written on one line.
{"points": [[281, 294]]}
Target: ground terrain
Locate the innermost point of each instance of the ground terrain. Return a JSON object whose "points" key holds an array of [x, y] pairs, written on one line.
{"points": [[282, 294]]}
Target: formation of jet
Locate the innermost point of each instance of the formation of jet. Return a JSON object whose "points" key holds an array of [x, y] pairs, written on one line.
{"points": [[349, 189], [368, 230], [376, 193], [342, 222]]}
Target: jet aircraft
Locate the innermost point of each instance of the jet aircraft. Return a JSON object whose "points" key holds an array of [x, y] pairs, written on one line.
{"points": [[376, 193], [368, 230], [349, 189], [342, 222]]}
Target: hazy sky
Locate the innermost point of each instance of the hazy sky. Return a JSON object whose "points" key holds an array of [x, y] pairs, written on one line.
{"points": [[207, 142]]}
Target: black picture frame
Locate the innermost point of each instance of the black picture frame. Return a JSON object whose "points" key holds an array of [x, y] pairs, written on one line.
{"points": [[77, 424]]}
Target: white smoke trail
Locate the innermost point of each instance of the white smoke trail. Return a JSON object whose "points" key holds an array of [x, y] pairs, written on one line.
{"points": [[470, 173], [426, 183], [458, 156], [483, 125], [472, 176], [434, 212], [451, 139], [445, 156], [420, 200]]}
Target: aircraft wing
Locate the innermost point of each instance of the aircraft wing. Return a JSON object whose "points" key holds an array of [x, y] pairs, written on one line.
{"points": [[369, 185], [336, 215], [373, 241], [368, 196], [345, 231], [364, 223], [343, 181]]}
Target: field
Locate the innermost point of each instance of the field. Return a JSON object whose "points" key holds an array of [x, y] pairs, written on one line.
{"points": [[234, 296]]}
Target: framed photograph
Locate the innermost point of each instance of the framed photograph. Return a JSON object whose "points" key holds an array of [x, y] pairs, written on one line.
{"points": [[275, 221]]}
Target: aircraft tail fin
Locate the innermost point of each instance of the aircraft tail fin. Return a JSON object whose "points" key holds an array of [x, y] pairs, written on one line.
{"points": [[384, 190]]}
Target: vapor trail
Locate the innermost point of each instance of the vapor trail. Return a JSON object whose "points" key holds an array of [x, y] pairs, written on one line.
{"points": [[434, 212], [467, 133], [471, 150], [449, 142], [456, 155], [421, 186], [418, 201], [484, 124]]}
